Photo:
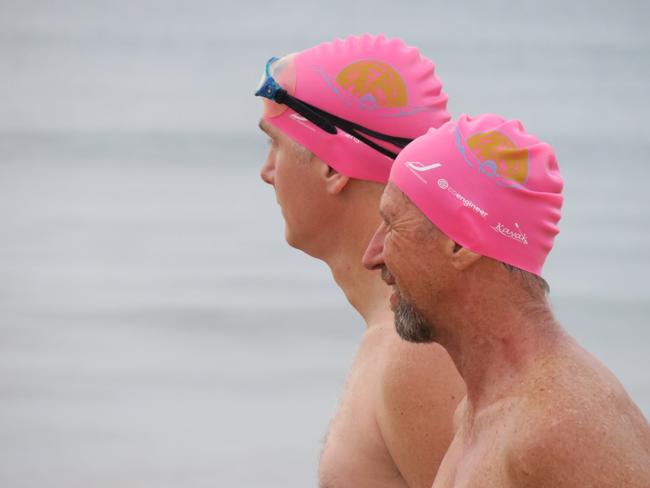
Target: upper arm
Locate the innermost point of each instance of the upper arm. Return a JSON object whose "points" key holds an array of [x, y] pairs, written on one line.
{"points": [[421, 389]]}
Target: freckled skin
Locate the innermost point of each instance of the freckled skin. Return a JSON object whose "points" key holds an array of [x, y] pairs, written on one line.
{"points": [[540, 411], [394, 421], [569, 423]]}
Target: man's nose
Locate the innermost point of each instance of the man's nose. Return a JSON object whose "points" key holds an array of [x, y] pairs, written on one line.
{"points": [[373, 258], [267, 171]]}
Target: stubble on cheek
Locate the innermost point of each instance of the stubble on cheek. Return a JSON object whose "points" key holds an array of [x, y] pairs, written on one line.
{"points": [[410, 323]]}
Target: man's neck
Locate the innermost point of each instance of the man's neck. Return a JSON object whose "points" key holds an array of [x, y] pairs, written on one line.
{"points": [[350, 235], [494, 345], [364, 289]]}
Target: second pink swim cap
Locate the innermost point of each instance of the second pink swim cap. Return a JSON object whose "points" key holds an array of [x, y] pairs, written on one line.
{"points": [[381, 84], [488, 185]]}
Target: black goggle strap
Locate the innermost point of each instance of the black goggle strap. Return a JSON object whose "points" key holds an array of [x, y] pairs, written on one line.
{"points": [[370, 143], [357, 131], [305, 110], [328, 122], [346, 124]]}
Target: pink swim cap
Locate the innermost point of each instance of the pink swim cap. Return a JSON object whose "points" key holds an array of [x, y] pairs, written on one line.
{"points": [[488, 185], [381, 84]]}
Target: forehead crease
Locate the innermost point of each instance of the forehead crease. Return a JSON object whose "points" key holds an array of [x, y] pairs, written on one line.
{"points": [[387, 201], [383, 207]]}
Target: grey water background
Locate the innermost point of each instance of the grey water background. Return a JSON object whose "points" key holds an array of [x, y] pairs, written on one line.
{"points": [[155, 329]]}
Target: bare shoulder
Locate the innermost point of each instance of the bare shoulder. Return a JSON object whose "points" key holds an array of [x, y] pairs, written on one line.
{"points": [[579, 451], [578, 427], [420, 390]]}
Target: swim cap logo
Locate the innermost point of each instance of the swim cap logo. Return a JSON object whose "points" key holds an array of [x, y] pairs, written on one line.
{"points": [[516, 235], [498, 157], [416, 167], [374, 83]]}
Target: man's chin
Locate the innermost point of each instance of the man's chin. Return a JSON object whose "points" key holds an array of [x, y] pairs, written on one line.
{"points": [[303, 242], [291, 237], [411, 325]]}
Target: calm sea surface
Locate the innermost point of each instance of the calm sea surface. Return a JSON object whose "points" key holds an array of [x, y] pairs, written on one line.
{"points": [[155, 329]]}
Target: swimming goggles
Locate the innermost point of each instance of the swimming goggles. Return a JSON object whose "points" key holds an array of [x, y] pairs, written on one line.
{"points": [[271, 89]]}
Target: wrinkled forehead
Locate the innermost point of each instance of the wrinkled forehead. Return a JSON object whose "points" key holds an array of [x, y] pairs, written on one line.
{"points": [[393, 202], [396, 206], [283, 71]]}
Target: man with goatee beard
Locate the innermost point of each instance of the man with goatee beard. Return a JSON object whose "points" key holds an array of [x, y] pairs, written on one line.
{"points": [[470, 213]]}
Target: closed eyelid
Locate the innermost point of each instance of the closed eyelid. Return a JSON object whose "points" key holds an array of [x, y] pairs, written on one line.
{"points": [[387, 216]]}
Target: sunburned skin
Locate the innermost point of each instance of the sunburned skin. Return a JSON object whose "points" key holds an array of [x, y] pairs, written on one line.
{"points": [[568, 423], [540, 411], [395, 418]]}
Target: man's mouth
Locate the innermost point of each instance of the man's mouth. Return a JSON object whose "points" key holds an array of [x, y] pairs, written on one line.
{"points": [[394, 300], [389, 279]]}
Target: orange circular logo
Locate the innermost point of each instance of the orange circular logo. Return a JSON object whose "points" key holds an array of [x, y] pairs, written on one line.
{"points": [[510, 161], [375, 82]]}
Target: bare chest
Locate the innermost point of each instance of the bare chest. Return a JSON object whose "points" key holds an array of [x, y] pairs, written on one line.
{"points": [[354, 453], [476, 461]]}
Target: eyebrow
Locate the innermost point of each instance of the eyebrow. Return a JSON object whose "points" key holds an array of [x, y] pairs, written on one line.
{"points": [[263, 127], [267, 128]]}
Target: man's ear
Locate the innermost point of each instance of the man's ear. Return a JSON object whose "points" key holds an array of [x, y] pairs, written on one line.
{"points": [[334, 181], [461, 258]]}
